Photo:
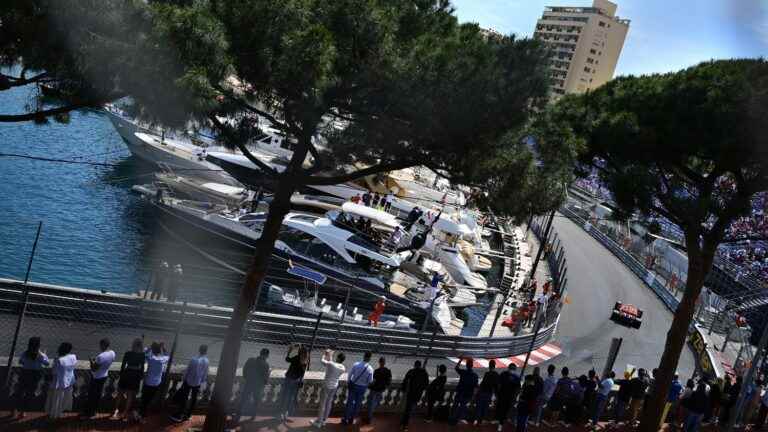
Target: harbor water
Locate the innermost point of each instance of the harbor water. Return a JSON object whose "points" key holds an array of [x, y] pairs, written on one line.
{"points": [[94, 232]]}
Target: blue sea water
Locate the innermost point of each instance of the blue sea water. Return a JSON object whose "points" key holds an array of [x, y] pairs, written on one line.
{"points": [[94, 233]]}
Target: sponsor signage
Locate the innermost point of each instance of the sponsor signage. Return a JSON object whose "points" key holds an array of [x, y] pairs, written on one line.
{"points": [[699, 347]]}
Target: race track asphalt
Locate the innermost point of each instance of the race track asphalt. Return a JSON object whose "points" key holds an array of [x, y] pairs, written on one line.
{"points": [[596, 280]]}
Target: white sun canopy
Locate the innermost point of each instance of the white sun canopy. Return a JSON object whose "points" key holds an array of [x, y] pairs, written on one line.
{"points": [[379, 216]]}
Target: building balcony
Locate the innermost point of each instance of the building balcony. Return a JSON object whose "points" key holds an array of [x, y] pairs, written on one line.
{"points": [[559, 28], [560, 65], [556, 19]]}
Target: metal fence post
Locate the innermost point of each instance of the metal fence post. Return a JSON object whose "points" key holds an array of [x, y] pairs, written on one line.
{"points": [[343, 313], [314, 332], [533, 342], [543, 239], [431, 343], [499, 310], [428, 317], [715, 318], [561, 281], [23, 311], [166, 378], [149, 284]]}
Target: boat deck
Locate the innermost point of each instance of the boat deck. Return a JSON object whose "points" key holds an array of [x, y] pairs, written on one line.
{"points": [[518, 248]]}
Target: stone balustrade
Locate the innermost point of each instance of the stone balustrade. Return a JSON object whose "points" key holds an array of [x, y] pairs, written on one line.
{"points": [[308, 399]]}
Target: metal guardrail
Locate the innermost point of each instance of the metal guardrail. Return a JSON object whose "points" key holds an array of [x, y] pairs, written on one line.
{"points": [[124, 311], [630, 261], [705, 356], [732, 270]]}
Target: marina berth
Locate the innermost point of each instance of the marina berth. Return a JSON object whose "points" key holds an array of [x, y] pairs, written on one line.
{"points": [[392, 234], [358, 267]]}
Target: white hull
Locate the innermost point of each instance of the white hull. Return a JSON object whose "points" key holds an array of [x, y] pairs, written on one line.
{"points": [[177, 156]]}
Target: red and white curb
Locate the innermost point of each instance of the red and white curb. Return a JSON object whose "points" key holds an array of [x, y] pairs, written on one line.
{"points": [[541, 355]]}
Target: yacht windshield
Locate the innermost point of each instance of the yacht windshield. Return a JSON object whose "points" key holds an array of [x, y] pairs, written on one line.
{"points": [[254, 221], [365, 241], [363, 233], [253, 217]]}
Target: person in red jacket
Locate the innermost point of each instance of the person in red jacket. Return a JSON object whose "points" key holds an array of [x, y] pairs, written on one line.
{"points": [[378, 310]]}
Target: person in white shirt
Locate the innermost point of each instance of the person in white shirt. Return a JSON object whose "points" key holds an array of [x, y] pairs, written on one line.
{"points": [[157, 361], [333, 371], [359, 377], [603, 393], [32, 362], [59, 397], [550, 382], [195, 375], [99, 371]]}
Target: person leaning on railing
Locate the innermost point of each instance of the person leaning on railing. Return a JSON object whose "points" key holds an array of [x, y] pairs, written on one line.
{"points": [[333, 372], [488, 388], [256, 375], [32, 362], [436, 392], [293, 378], [464, 390], [157, 362], [415, 382], [59, 398], [382, 378], [99, 371], [131, 373], [360, 376], [194, 377]]}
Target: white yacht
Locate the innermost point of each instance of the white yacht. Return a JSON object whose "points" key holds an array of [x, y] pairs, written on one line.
{"points": [[186, 152], [354, 264]]}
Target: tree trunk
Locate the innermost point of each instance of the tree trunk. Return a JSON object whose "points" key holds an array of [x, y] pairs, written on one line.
{"points": [[699, 263], [215, 420]]}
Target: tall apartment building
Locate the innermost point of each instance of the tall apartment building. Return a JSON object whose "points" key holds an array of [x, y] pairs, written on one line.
{"points": [[586, 43]]}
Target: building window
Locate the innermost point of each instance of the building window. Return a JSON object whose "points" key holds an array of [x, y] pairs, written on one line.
{"points": [[586, 69], [590, 60], [601, 24], [592, 51]]}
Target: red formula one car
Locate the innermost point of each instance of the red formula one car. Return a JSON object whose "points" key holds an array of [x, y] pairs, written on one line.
{"points": [[627, 314]]}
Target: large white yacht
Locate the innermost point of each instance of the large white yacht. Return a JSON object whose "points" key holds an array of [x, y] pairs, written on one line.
{"points": [[355, 265]]}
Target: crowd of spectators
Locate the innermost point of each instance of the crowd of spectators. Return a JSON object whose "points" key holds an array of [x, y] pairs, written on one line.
{"points": [[745, 250], [750, 254], [592, 185], [508, 398]]}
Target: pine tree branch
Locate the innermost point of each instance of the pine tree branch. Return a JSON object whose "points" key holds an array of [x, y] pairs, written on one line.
{"points": [[22, 81], [15, 118], [245, 105], [243, 149], [343, 178]]}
